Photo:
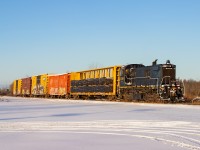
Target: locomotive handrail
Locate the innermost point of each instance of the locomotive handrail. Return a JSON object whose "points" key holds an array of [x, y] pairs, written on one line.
{"points": [[163, 79], [182, 86], [171, 81]]}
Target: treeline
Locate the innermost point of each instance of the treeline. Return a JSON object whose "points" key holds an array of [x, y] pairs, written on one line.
{"points": [[4, 91], [192, 89]]}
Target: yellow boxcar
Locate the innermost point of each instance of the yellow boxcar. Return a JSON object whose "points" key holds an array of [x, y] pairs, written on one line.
{"points": [[17, 87], [14, 87], [39, 85], [96, 82]]}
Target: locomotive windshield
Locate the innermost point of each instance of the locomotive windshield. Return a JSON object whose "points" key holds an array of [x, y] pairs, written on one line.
{"points": [[169, 73]]}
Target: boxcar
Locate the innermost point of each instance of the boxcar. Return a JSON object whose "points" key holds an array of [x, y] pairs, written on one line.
{"points": [[14, 90], [64, 85], [26, 86], [39, 85], [17, 85], [53, 85], [59, 85], [101, 82]]}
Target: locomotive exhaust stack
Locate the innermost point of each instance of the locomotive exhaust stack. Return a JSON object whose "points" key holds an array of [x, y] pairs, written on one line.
{"points": [[154, 62]]}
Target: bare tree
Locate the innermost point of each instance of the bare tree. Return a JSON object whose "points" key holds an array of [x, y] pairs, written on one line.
{"points": [[192, 88]]}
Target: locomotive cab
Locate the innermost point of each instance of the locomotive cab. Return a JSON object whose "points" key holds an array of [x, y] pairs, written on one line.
{"points": [[129, 73], [170, 88]]}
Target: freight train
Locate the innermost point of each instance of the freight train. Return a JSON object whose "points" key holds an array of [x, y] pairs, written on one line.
{"points": [[132, 82]]}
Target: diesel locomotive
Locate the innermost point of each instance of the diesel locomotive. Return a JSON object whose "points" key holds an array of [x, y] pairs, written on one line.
{"points": [[156, 82], [150, 83]]}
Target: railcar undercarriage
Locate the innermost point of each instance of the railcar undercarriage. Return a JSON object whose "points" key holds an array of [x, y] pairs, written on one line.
{"points": [[150, 95]]}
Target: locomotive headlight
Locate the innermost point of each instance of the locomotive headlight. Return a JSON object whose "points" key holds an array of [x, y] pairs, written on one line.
{"points": [[172, 90]]}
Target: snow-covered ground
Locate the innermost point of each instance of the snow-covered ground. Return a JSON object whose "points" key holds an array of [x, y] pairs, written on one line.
{"points": [[38, 124]]}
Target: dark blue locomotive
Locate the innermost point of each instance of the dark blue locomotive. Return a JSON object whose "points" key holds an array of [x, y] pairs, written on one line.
{"points": [[150, 83]]}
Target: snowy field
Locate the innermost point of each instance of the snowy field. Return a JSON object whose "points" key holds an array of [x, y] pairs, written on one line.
{"points": [[39, 124]]}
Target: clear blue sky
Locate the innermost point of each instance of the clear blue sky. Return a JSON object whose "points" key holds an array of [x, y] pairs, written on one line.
{"points": [[55, 36]]}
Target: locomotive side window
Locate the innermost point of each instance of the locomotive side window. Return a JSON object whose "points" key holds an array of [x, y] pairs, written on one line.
{"points": [[127, 73], [133, 72]]}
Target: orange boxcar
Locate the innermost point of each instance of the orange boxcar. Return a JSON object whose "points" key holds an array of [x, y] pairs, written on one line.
{"points": [[64, 85], [59, 85], [53, 85]]}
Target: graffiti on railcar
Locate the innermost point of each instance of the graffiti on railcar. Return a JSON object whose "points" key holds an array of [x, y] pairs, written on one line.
{"points": [[38, 90]]}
